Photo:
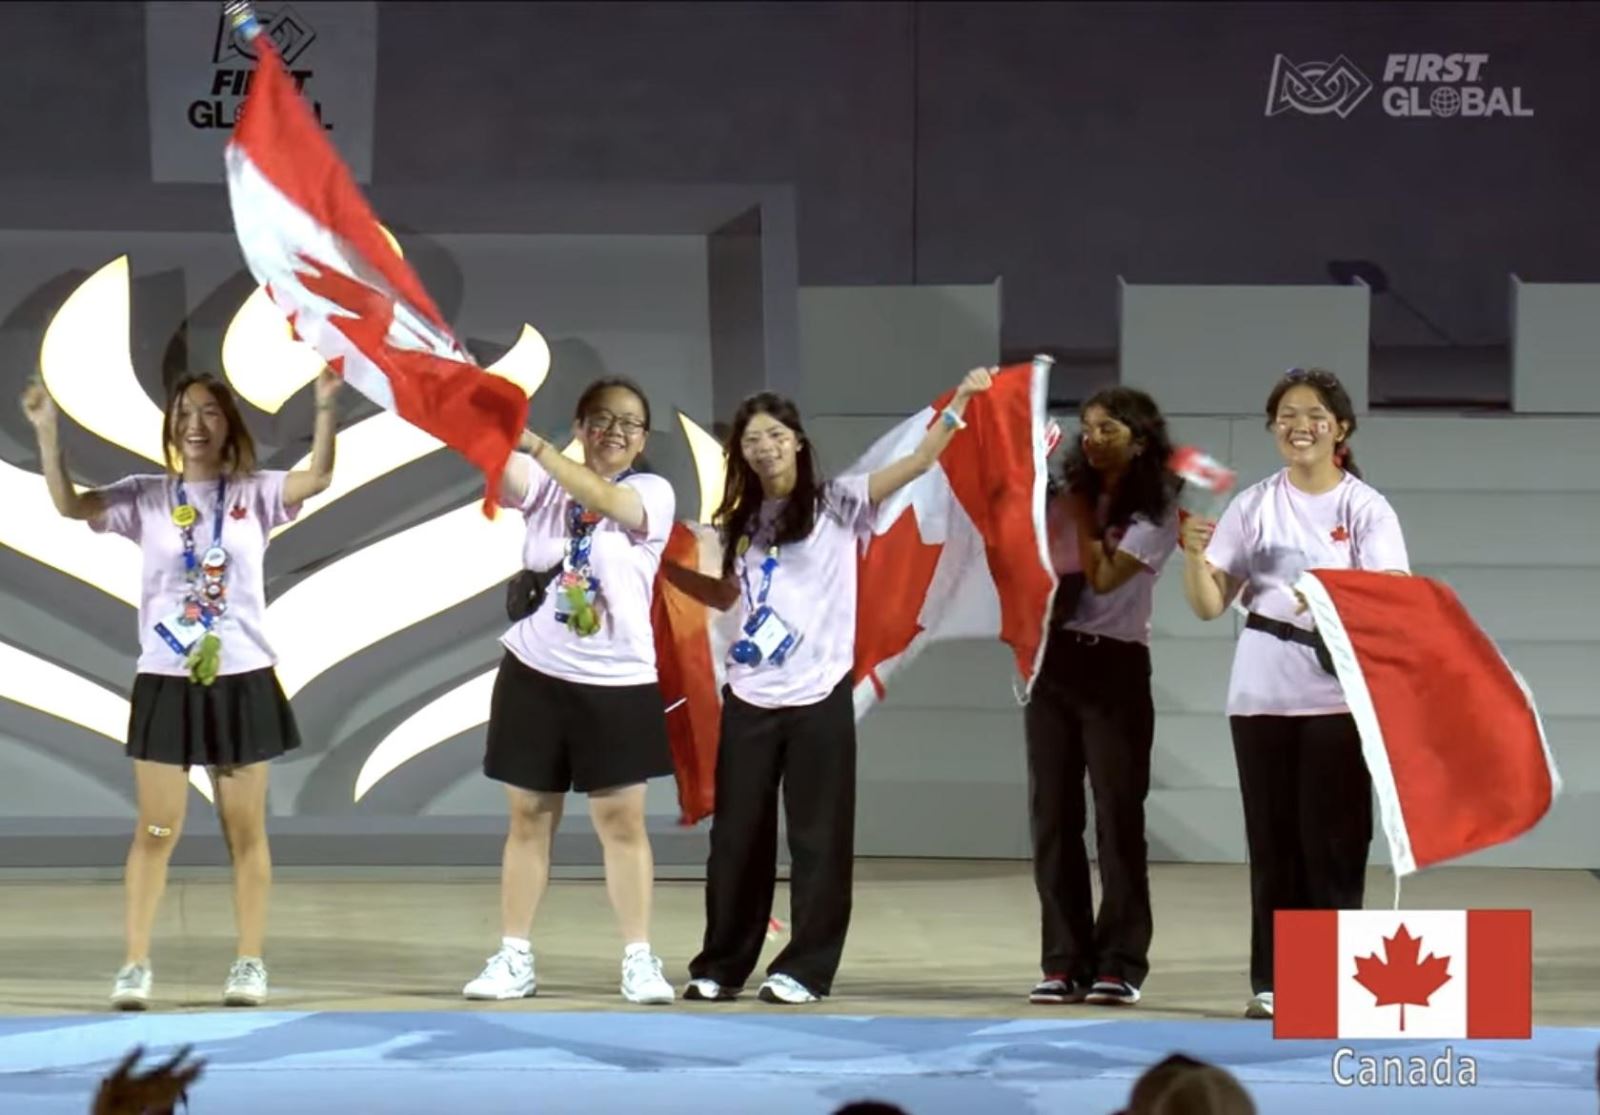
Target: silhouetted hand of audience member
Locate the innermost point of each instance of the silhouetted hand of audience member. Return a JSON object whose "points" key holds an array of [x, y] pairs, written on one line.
{"points": [[156, 1092]]}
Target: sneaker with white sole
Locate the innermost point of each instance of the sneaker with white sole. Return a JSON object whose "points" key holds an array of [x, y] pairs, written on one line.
{"points": [[1112, 991], [709, 991], [1054, 989], [780, 988], [1259, 1006], [131, 991], [247, 983], [507, 975], [642, 981]]}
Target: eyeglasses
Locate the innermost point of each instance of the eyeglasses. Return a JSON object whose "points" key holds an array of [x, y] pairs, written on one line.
{"points": [[600, 422]]}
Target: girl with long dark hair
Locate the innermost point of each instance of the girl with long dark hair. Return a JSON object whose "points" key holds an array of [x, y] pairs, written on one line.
{"points": [[1305, 787], [790, 541], [1113, 524]]}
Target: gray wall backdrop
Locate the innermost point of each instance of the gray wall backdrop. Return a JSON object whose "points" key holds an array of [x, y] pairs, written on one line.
{"points": [[916, 187]]}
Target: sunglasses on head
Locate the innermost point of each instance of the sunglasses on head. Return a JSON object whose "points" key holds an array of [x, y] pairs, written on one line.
{"points": [[1303, 375]]}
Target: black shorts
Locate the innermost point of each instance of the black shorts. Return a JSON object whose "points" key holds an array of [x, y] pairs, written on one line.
{"points": [[237, 720], [551, 736]]}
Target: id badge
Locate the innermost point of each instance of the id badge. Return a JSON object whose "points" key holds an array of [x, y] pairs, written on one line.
{"points": [[768, 633], [180, 632]]}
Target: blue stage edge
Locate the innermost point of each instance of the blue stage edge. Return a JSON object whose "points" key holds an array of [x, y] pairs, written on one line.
{"points": [[700, 1061]]}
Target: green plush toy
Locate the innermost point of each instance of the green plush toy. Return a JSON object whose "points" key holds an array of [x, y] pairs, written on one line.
{"points": [[205, 659], [582, 619]]}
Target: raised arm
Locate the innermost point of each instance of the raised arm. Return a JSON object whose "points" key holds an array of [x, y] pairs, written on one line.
{"points": [[1208, 589], [897, 474], [301, 484], [41, 412], [617, 502]]}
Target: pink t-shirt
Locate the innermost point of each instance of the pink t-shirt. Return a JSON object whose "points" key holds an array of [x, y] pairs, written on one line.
{"points": [[1124, 612], [813, 592], [1271, 534], [623, 651], [140, 508]]}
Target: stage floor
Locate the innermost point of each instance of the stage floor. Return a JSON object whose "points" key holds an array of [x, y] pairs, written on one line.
{"points": [[929, 1007]]}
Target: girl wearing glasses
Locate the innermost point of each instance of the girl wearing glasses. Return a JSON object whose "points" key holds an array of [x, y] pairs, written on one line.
{"points": [[575, 704], [790, 541], [1305, 788], [1112, 526]]}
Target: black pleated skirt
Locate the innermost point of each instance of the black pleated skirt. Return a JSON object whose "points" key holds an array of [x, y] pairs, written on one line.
{"points": [[237, 720]]}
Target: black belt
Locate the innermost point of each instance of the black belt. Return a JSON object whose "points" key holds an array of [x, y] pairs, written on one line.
{"points": [[1289, 633]]}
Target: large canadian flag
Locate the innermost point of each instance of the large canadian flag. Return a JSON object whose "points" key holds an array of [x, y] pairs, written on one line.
{"points": [[959, 553], [1449, 730], [1403, 974], [310, 238]]}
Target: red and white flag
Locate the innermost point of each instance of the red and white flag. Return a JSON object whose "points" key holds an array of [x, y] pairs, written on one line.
{"points": [[310, 238], [1449, 730], [1403, 974], [959, 553]]}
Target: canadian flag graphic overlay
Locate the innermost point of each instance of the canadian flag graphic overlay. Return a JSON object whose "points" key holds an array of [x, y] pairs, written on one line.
{"points": [[310, 238], [961, 552], [1403, 974], [1449, 730]]}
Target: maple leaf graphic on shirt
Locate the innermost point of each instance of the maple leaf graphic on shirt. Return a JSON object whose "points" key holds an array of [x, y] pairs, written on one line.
{"points": [[1401, 979], [1339, 534]]}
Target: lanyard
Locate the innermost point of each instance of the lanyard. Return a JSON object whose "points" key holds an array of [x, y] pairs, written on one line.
{"points": [[189, 560], [768, 564], [580, 532]]}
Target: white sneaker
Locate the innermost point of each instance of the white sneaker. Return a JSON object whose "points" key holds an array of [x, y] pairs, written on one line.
{"points": [[131, 991], [1259, 1006], [508, 975], [247, 983], [786, 989], [710, 991], [642, 981]]}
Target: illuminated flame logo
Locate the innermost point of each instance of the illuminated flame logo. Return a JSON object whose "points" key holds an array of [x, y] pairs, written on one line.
{"points": [[85, 362]]}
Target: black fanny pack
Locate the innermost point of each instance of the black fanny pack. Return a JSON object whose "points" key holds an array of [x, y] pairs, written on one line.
{"points": [[526, 591], [1289, 633]]}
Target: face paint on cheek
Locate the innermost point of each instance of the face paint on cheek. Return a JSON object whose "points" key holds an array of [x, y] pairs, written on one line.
{"points": [[1323, 427]]}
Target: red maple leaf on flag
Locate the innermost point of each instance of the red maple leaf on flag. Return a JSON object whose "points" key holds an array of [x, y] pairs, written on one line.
{"points": [[1339, 534], [1402, 979], [894, 580]]}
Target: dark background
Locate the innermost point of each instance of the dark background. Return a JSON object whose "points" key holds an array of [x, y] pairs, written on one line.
{"points": [[1056, 145]]}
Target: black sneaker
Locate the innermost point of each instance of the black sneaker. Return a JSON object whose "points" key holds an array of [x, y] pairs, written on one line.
{"points": [[709, 991], [1057, 989], [1112, 992]]}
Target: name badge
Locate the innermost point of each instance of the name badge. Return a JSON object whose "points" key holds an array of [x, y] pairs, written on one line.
{"points": [[766, 639], [181, 630]]}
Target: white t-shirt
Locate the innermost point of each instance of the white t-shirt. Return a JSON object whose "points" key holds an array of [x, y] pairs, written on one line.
{"points": [[140, 508], [623, 651], [813, 592], [1272, 533], [1124, 612]]}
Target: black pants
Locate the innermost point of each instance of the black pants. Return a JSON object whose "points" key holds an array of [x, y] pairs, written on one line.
{"points": [[1091, 712], [811, 751], [1307, 820]]}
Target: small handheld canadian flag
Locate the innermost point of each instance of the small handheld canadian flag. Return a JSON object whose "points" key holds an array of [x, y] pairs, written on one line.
{"points": [[1403, 974], [1197, 467]]}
